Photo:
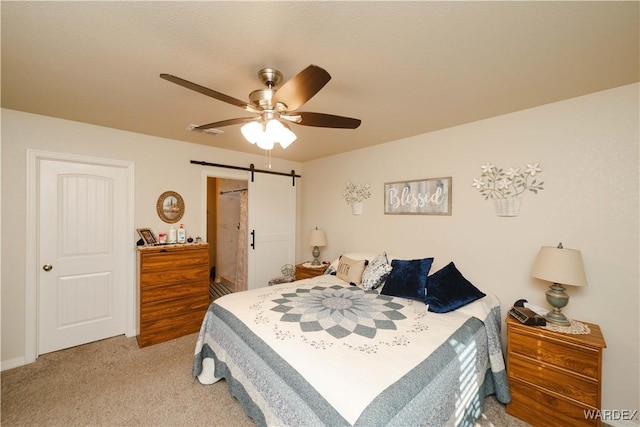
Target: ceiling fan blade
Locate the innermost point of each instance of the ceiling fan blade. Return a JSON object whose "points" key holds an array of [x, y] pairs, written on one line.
{"points": [[209, 92], [327, 120], [225, 123], [302, 87]]}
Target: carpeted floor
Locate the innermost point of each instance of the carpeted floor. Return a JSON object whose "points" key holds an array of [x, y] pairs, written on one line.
{"points": [[115, 383]]}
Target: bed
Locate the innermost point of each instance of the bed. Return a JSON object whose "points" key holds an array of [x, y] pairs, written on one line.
{"points": [[328, 351]]}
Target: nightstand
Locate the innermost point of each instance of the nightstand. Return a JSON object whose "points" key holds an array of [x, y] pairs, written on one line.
{"points": [[555, 378], [306, 271]]}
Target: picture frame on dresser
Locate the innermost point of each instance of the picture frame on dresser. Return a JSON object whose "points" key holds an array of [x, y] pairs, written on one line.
{"points": [[147, 236]]}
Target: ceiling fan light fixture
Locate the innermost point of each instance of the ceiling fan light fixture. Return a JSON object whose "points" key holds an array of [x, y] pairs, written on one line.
{"points": [[286, 136], [252, 131], [265, 142], [266, 135], [273, 127], [277, 131]]}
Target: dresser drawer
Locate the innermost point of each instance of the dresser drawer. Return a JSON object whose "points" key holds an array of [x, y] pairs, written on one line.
{"points": [[558, 380], [164, 278], [171, 328], [157, 312], [575, 358], [176, 291], [171, 260], [558, 411]]}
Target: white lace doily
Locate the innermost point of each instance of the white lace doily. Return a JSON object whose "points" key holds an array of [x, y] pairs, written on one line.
{"points": [[309, 265], [575, 328]]}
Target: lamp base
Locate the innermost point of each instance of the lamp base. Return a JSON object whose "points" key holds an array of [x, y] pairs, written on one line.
{"points": [[316, 254], [557, 318], [557, 298]]}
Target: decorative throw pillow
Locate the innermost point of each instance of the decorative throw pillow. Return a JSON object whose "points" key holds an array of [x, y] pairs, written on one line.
{"points": [[376, 272], [330, 270], [350, 270], [353, 255], [448, 290], [407, 278]]}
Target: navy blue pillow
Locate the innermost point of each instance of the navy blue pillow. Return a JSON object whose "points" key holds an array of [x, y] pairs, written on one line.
{"points": [[408, 278], [448, 290]]}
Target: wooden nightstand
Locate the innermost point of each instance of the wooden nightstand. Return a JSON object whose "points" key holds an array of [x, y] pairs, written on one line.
{"points": [[554, 377], [306, 271]]}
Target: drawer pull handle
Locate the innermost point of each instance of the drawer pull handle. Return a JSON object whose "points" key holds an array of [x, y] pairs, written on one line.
{"points": [[253, 239]]}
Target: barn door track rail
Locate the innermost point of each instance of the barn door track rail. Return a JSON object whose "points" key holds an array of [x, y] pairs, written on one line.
{"points": [[251, 169]]}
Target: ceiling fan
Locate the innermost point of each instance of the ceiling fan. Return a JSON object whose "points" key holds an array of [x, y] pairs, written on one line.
{"points": [[275, 107]]}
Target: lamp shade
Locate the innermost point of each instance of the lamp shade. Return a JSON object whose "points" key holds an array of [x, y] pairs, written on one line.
{"points": [[559, 265], [317, 238]]}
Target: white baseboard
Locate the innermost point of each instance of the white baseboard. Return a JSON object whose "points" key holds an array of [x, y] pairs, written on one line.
{"points": [[12, 363]]}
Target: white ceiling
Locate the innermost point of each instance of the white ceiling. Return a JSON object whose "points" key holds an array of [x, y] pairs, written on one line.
{"points": [[404, 68]]}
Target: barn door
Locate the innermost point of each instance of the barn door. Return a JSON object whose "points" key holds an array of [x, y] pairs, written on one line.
{"points": [[272, 225]]}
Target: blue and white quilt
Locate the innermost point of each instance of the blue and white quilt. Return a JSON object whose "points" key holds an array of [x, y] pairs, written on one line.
{"points": [[321, 352]]}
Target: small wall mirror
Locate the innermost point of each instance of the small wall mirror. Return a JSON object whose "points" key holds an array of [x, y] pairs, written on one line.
{"points": [[170, 207]]}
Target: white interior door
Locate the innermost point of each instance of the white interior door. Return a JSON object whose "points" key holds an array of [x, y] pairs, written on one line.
{"points": [[83, 239], [272, 225]]}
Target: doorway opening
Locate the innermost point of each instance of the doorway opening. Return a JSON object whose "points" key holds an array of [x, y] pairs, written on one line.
{"points": [[227, 235]]}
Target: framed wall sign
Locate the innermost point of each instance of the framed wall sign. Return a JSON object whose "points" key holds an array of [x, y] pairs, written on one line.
{"points": [[430, 196]]}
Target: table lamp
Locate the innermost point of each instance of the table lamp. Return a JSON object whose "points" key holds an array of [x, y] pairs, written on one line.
{"points": [[316, 239], [561, 267]]}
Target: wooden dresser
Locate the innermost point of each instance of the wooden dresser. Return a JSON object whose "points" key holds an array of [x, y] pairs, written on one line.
{"points": [[173, 286], [555, 378]]}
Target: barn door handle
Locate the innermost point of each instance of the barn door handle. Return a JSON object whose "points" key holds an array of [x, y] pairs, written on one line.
{"points": [[253, 239]]}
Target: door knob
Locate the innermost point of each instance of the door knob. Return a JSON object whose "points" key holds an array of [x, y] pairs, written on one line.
{"points": [[47, 267]]}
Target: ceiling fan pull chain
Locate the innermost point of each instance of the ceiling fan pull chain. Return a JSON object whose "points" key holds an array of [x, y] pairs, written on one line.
{"points": [[267, 159]]}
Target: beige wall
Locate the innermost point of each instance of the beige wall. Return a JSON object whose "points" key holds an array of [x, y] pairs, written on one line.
{"points": [[588, 148], [160, 165]]}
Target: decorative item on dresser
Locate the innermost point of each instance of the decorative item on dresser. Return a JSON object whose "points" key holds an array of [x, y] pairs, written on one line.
{"points": [[559, 266], [306, 270], [555, 378], [316, 239], [173, 286]]}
